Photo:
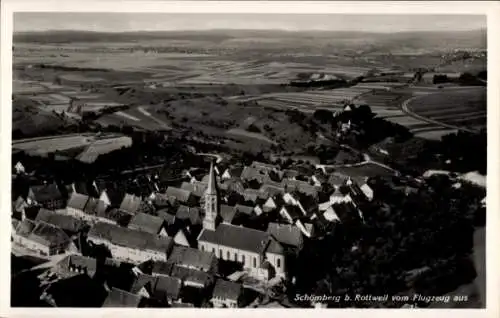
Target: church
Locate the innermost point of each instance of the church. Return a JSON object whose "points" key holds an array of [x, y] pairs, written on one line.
{"points": [[257, 251]]}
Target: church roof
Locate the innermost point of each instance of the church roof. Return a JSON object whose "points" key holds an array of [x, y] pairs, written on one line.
{"points": [[238, 237]]}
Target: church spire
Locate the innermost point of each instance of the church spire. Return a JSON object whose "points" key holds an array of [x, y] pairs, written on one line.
{"points": [[212, 182]]}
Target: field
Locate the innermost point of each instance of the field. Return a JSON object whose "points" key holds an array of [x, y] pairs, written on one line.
{"points": [[464, 108], [91, 145]]}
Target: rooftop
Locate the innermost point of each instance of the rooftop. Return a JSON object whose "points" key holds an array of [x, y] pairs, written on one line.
{"points": [[227, 290], [129, 238], [288, 234], [146, 223], [192, 258], [178, 194], [238, 237], [121, 298], [65, 222]]}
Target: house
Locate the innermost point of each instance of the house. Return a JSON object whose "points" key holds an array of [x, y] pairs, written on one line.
{"points": [[19, 168], [300, 186], [181, 196], [47, 195], [75, 264], [331, 215], [85, 188], [246, 246], [191, 277], [193, 258], [76, 204], [166, 215], [196, 188], [258, 210], [226, 294], [286, 234], [231, 173], [43, 238], [292, 199], [130, 245], [67, 223], [18, 206], [115, 216], [148, 223], [234, 185], [346, 212], [290, 174], [131, 203], [164, 289], [121, 298], [340, 195], [182, 237]]}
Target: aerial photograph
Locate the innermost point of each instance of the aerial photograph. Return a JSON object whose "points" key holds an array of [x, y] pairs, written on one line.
{"points": [[209, 160]]}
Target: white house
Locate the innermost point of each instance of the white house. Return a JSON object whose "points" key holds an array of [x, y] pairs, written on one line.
{"points": [[368, 191]]}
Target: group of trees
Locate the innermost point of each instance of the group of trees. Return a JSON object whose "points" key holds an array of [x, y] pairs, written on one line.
{"points": [[429, 229]]}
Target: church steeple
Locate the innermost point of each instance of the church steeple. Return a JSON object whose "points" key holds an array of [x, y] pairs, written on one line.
{"points": [[210, 221]]}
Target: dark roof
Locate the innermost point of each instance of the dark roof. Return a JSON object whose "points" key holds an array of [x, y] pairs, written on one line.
{"points": [[227, 290], [46, 192], [178, 194], [294, 211], [191, 258], [287, 234], [130, 203], [159, 287], [227, 213], [189, 213], [146, 223], [120, 298], [115, 195], [78, 201], [48, 235], [130, 238], [237, 237], [65, 222], [85, 188], [191, 275], [235, 172], [247, 210], [161, 267], [167, 217], [117, 215], [346, 211], [31, 212], [275, 247]]}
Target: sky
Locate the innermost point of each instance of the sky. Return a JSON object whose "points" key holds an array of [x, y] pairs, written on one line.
{"points": [[120, 22]]}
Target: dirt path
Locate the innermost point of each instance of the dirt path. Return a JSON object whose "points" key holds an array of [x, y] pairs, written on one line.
{"points": [[158, 121]]}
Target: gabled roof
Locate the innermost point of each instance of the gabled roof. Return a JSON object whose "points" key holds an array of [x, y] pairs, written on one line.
{"points": [[121, 298], [275, 247], [290, 173], [178, 194], [288, 234], [191, 275], [31, 212], [117, 215], [146, 223], [160, 287], [46, 192], [227, 213], [79, 262], [78, 201], [161, 268], [250, 173], [191, 258], [48, 235], [130, 203], [65, 222], [247, 210], [227, 290], [129, 238], [271, 189], [95, 207], [346, 211], [254, 195], [238, 237]]}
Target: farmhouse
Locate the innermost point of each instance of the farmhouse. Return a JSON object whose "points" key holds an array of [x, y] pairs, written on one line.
{"points": [[75, 264], [148, 223], [164, 289], [47, 195], [193, 259], [43, 238], [226, 294], [130, 245], [68, 223]]}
